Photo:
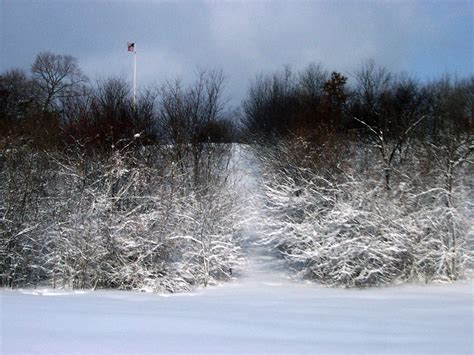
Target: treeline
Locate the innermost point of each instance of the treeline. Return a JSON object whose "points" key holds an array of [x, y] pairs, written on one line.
{"points": [[56, 105], [369, 182], [313, 101]]}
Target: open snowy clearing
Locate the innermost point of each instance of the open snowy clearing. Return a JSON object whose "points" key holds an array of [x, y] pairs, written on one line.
{"points": [[253, 315]]}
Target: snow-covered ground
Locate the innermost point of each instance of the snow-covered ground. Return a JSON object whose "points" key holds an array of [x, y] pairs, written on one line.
{"points": [[259, 314]]}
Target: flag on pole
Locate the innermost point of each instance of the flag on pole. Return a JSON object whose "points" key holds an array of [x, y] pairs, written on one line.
{"points": [[131, 48]]}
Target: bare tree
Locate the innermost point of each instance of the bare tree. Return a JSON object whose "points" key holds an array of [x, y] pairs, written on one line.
{"points": [[187, 116], [56, 76], [389, 109], [270, 104], [15, 94], [311, 82]]}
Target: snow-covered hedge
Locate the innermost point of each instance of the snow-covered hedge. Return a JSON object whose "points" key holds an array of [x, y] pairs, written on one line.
{"points": [[350, 231], [135, 219]]}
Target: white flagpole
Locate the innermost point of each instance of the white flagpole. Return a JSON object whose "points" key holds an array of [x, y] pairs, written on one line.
{"points": [[135, 74]]}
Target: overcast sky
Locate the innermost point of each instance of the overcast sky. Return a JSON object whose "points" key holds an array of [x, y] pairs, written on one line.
{"points": [[424, 38]]}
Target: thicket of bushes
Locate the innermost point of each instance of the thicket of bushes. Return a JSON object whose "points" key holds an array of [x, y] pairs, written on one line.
{"points": [[351, 231], [128, 220]]}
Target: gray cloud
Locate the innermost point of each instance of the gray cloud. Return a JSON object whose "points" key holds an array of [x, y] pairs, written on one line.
{"points": [[242, 38]]}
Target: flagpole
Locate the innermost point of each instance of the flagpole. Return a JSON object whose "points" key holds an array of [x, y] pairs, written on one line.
{"points": [[134, 74]]}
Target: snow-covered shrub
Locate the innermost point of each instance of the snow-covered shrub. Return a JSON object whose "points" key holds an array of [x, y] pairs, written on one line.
{"points": [[441, 233], [131, 220], [26, 210], [210, 223], [140, 228], [350, 231], [333, 235]]}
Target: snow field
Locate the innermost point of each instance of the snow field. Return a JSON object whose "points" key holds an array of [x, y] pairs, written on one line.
{"points": [[249, 316]]}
